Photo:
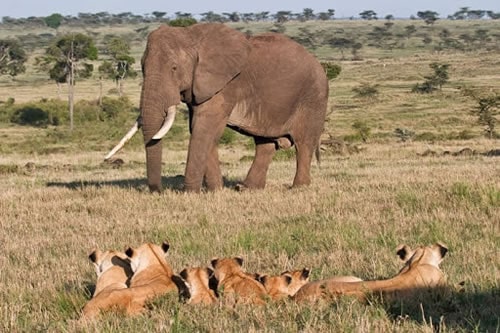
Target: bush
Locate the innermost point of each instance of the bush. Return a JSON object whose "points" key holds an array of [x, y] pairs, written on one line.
{"points": [[112, 107], [362, 128], [332, 70], [43, 113], [228, 136], [366, 90]]}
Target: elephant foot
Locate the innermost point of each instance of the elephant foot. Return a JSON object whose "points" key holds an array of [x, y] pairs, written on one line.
{"points": [[240, 187]]}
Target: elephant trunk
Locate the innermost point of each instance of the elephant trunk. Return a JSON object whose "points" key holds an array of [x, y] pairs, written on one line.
{"points": [[152, 115]]}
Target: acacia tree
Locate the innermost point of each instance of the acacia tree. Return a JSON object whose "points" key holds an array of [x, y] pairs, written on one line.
{"points": [[64, 60], [120, 64], [428, 16], [368, 15], [12, 58]]}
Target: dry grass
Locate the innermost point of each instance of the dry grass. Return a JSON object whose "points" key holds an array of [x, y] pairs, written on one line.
{"points": [[54, 210]]}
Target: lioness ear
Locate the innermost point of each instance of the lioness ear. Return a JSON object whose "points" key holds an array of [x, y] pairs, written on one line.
{"points": [[214, 262], [210, 272], [305, 273], [403, 252], [442, 249], [129, 252], [288, 279], [239, 260], [165, 246], [184, 274], [94, 255]]}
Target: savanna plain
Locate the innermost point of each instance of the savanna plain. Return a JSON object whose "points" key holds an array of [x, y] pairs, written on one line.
{"points": [[393, 170]]}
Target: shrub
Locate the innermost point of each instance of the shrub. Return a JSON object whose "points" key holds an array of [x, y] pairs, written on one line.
{"points": [[228, 136], [404, 134], [43, 113], [112, 107], [332, 70], [362, 128], [366, 90]]}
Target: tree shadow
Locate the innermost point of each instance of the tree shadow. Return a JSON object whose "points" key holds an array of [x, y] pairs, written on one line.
{"points": [[446, 309], [174, 183]]}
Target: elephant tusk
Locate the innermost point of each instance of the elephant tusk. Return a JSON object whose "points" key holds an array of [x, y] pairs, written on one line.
{"points": [[167, 124], [122, 142]]}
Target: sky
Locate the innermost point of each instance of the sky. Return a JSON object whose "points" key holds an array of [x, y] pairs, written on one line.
{"points": [[343, 9]]}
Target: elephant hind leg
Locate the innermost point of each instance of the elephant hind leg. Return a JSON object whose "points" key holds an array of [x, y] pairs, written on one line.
{"points": [[264, 152], [304, 158]]}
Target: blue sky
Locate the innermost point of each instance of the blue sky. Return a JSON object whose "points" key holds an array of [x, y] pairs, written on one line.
{"points": [[398, 8]]}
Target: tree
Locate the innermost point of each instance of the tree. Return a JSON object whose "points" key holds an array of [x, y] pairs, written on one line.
{"points": [[212, 17], [428, 16], [282, 16], [492, 15], [159, 15], [341, 43], [12, 58], [368, 15], [460, 14], [54, 21], [435, 81], [233, 17], [182, 20], [65, 57], [328, 15], [307, 14], [410, 30], [120, 64], [487, 110]]}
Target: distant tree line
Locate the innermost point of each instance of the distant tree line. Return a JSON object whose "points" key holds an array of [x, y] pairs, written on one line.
{"points": [[307, 14]]}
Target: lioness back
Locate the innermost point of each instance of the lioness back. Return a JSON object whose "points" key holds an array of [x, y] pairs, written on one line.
{"points": [[421, 271]]}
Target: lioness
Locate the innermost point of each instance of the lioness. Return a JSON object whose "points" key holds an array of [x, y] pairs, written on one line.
{"points": [[237, 286], [421, 271], [201, 283], [286, 284], [112, 268], [152, 277]]}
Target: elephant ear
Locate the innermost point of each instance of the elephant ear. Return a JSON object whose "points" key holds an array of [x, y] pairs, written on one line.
{"points": [[222, 53]]}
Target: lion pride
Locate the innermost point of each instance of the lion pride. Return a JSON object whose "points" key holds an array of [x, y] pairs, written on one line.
{"points": [[421, 271], [152, 277]]}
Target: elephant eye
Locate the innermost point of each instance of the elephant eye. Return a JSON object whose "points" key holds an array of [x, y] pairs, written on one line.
{"points": [[174, 68]]}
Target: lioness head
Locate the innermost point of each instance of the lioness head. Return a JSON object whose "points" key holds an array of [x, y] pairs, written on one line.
{"points": [[423, 255], [199, 280], [148, 254], [226, 266], [286, 284], [103, 261]]}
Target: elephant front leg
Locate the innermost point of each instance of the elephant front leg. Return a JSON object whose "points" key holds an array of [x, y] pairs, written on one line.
{"points": [[213, 175], [203, 159], [264, 152]]}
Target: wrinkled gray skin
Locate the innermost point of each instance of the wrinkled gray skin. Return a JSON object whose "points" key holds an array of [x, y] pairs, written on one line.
{"points": [[266, 86]]}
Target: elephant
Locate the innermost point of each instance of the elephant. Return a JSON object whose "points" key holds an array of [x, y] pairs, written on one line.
{"points": [[265, 86]]}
